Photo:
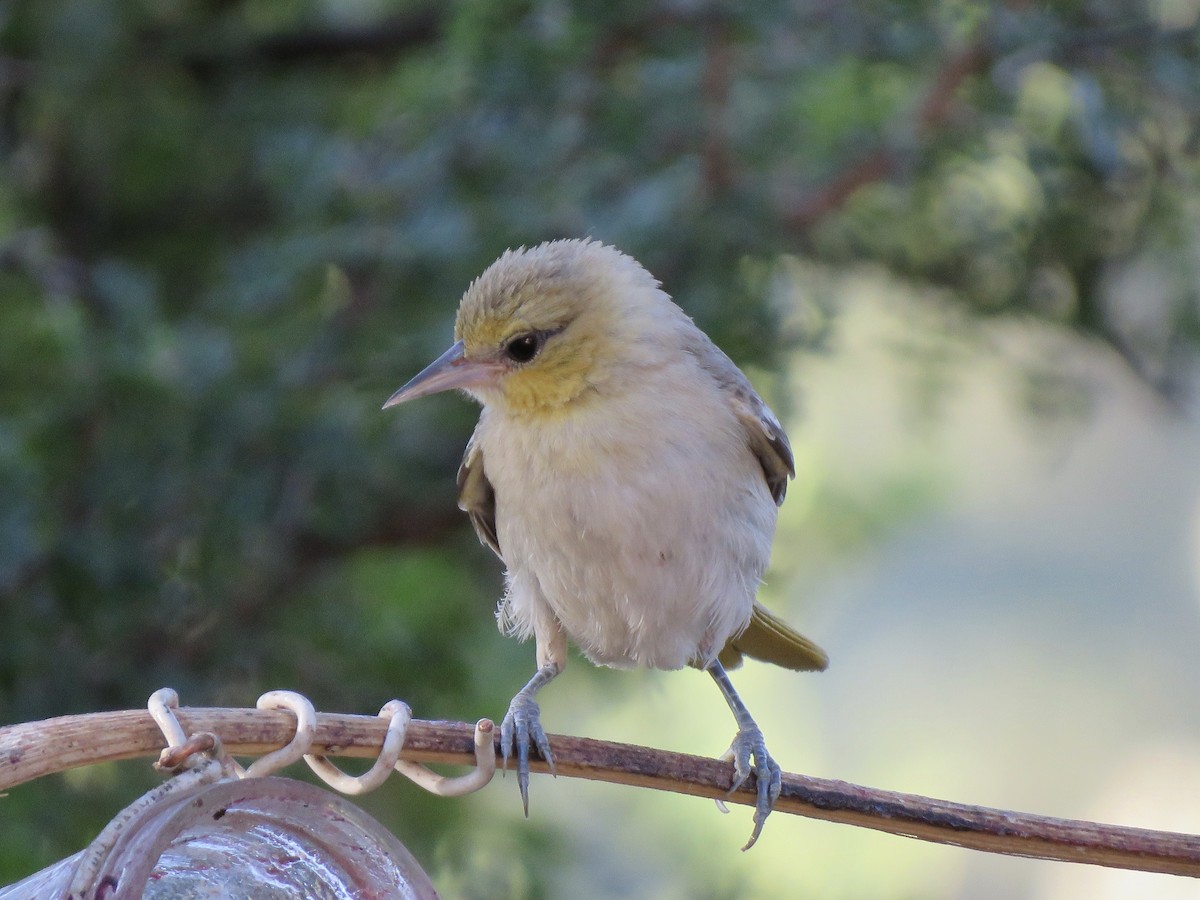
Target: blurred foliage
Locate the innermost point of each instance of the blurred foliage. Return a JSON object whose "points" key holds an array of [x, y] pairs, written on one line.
{"points": [[229, 229]]}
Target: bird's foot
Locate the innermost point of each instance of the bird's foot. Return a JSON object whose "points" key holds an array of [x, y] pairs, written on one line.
{"points": [[522, 724], [768, 777]]}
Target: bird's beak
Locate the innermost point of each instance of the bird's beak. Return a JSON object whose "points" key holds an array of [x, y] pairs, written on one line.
{"points": [[449, 371]]}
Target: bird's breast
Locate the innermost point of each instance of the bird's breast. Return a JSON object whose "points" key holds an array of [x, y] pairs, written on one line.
{"points": [[644, 526]]}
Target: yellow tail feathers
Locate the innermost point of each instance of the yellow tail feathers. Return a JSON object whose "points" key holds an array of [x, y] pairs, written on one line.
{"points": [[772, 640]]}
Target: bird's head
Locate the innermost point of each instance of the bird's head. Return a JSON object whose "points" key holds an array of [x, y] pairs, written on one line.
{"points": [[547, 327]]}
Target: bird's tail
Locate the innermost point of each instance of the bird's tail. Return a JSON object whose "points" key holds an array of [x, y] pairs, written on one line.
{"points": [[772, 640]]}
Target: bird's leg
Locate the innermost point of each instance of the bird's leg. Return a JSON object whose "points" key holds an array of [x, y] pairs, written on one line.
{"points": [[746, 744], [523, 721]]}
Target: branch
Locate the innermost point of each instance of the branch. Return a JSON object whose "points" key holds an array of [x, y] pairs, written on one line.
{"points": [[937, 107], [391, 37], [31, 750], [207, 56], [885, 161], [716, 168]]}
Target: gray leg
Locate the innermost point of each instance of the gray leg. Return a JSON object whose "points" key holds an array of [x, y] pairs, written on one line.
{"points": [[746, 744], [523, 721]]}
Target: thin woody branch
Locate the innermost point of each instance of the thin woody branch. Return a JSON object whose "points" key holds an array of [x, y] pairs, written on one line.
{"points": [[391, 37], [882, 163], [937, 107], [35, 749]]}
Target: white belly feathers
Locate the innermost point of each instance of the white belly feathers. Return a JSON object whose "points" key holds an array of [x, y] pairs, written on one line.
{"points": [[642, 563]]}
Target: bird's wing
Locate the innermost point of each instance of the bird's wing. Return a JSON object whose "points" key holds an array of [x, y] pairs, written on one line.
{"points": [[764, 434], [767, 637], [476, 496], [772, 640]]}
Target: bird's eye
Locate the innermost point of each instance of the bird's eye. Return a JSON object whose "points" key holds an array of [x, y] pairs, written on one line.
{"points": [[523, 348]]}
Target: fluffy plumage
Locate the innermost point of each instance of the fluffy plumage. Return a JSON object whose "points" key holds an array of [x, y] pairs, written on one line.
{"points": [[639, 490], [628, 475]]}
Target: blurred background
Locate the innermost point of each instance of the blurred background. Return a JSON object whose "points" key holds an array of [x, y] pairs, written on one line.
{"points": [[956, 245]]}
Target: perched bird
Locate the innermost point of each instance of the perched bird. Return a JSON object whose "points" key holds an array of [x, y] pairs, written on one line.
{"points": [[626, 473]]}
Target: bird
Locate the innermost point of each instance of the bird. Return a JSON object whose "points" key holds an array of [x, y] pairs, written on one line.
{"points": [[628, 476]]}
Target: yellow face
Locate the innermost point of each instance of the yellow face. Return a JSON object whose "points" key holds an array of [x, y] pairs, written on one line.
{"points": [[545, 322]]}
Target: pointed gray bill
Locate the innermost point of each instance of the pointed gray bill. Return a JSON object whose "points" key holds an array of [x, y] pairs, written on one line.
{"points": [[449, 371]]}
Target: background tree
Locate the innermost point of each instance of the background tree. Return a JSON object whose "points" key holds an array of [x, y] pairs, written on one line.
{"points": [[229, 230]]}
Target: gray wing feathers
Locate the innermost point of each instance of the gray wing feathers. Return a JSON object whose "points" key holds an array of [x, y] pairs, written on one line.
{"points": [[477, 498], [764, 434]]}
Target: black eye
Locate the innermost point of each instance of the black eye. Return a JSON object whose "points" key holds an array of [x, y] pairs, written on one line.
{"points": [[523, 348]]}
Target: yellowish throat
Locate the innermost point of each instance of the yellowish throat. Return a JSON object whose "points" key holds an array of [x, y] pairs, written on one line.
{"points": [[626, 473]]}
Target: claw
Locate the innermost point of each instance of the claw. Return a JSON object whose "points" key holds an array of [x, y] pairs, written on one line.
{"points": [[506, 741], [522, 726], [746, 744], [767, 775]]}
